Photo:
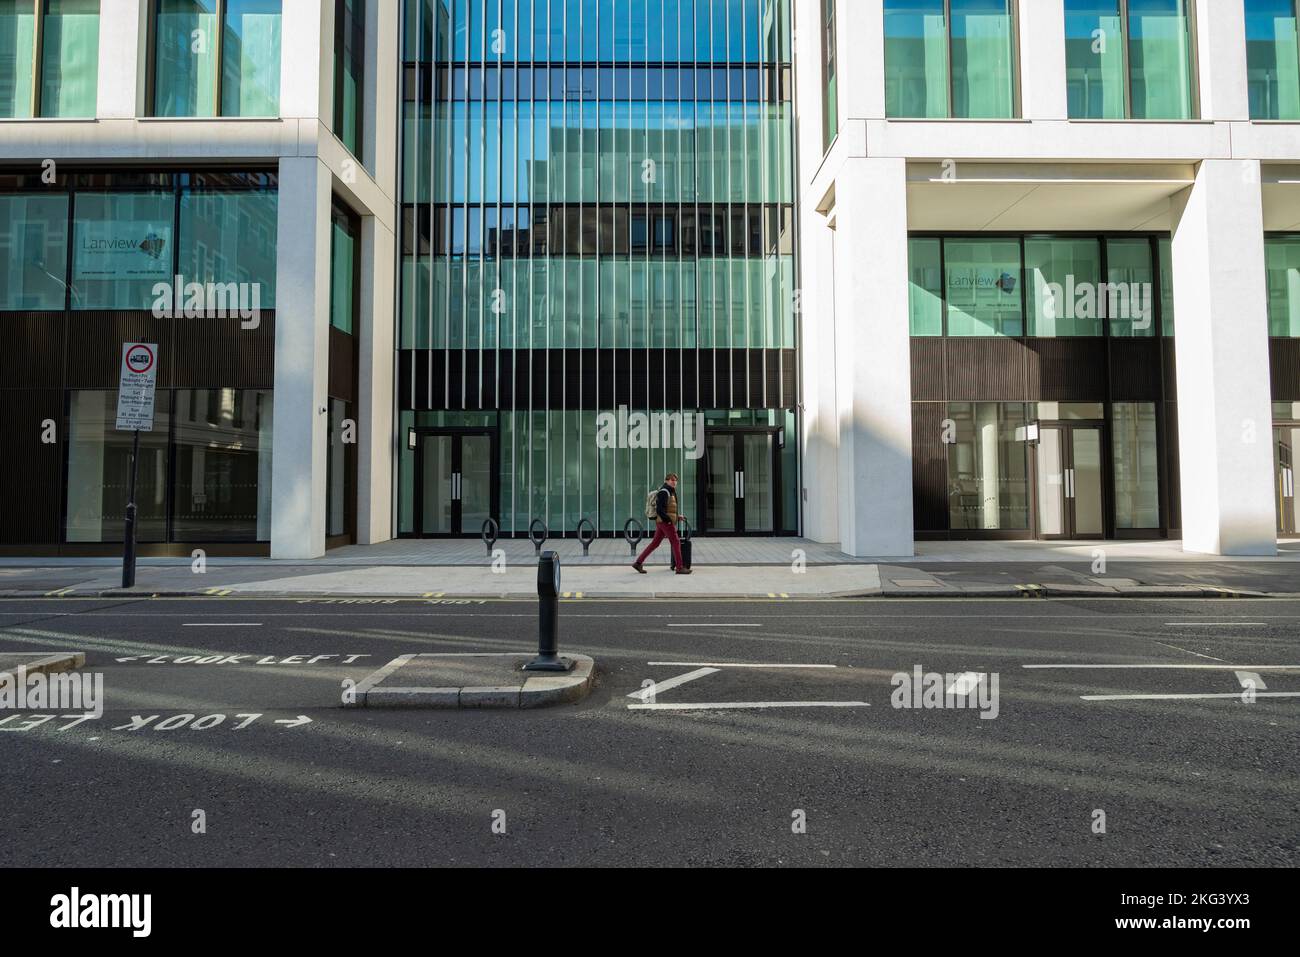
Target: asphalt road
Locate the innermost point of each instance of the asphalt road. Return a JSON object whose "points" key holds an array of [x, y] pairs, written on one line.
{"points": [[1181, 780]]}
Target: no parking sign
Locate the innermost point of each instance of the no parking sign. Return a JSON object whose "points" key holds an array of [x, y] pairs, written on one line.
{"points": [[135, 393]]}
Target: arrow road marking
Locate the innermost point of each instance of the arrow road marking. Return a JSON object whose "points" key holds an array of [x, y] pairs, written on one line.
{"points": [[964, 683], [297, 722], [1250, 680], [649, 691]]}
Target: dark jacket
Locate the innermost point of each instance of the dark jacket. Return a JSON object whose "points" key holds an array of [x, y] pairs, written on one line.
{"points": [[666, 504]]}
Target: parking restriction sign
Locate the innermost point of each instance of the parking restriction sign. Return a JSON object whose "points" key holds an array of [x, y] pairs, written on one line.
{"points": [[135, 394]]}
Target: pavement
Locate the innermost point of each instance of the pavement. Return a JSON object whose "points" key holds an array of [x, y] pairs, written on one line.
{"points": [[1105, 732], [723, 568]]}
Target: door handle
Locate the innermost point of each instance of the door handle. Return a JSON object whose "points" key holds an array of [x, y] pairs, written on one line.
{"points": [[735, 485], [1069, 483], [455, 486], [742, 485]]}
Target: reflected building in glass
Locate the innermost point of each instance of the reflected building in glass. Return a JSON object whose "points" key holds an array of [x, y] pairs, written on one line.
{"points": [[597, 221]]}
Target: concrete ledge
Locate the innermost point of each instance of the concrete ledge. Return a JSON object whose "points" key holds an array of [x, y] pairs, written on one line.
{"points": [[535, 690], [42, 662]]}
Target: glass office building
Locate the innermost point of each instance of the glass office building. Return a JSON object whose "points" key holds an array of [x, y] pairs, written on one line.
{"points": [[597, 275]]}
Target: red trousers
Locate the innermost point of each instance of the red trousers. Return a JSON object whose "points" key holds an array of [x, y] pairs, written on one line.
{"points": [[663, 530]]}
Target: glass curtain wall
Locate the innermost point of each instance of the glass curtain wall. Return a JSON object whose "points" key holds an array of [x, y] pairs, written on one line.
{"points": [[607, 179], [1130, 59]]}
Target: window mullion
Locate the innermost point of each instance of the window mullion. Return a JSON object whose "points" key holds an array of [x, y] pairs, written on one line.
{"points": [[218, 54], [38, 44], [1128, 67]]}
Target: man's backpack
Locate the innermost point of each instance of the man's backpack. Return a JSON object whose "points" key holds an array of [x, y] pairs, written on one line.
{"points": [[652, 504]]}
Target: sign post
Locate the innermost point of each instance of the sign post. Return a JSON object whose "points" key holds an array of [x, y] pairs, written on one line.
{"points": [[135, 402]]}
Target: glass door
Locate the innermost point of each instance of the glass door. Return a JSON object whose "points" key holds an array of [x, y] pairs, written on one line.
{"points": [[455, 481], [722, 492], [740, 480], [1071, 467]]}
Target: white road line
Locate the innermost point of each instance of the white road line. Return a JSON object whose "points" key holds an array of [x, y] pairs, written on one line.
{"points": [[1250, 680], [651, 690], [1170, 697], [222, 624], [710, 624], [1219, 624], [726, 664], [964, 683], [1181, 667], [734, 705]]}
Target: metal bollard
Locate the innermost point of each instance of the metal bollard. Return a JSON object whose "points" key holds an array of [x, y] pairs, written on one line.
{"points": [[548, 617]]}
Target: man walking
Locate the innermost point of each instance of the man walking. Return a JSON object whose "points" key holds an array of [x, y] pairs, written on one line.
{"points": [[665, 525]]}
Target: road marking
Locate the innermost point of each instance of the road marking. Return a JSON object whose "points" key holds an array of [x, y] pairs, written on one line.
{"points": [[651, 690], [1169, 697], [58, 593], [964, 683], [297, 722], [217, 592], [1220, 624], [734, 705], [1187, 651], [222, 624], [1186, 667], [1250, 680], [726, 664], [717, 625]]}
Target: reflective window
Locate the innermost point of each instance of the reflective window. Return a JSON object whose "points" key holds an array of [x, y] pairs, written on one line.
{"points": [[1137, 465], [17, 57], [988, 467], [228, 236], [1064, 287], [1273, 60], [830, 95], [963, 67], [345, 234], [1130, 294], [925, 287], [349, 69], [982, 279], [1282, 266], [33, 251], [123, 245], [222, 453], [49, 58], [1068, 285], [99, 471], [1130, 59]]}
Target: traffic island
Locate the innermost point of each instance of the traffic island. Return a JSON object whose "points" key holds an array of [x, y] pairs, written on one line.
{"points": [[472, 680], [40, 662]]}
